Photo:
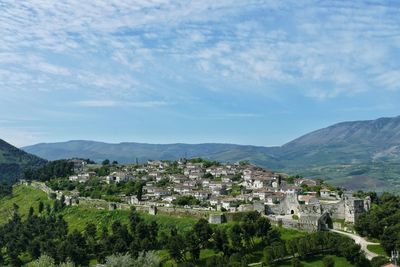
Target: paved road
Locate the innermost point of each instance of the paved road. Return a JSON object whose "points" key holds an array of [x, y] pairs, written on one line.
{"points": [[361, 241]]}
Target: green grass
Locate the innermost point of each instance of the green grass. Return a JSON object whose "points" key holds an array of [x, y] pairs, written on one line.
{"points": [[24, 197], [317, 262], [378, 249], [78, 217], [288, 234]]}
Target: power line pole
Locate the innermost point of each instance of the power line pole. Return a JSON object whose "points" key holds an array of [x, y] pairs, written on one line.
{"points": [[395, 257]]}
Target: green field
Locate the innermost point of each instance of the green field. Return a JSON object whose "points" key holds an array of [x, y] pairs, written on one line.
{"points": [[78, 217], [24, 197], [378, 249], [317, 262]]}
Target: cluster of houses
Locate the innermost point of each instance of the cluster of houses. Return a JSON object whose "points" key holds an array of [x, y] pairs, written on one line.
{"points": [[230, 187]]}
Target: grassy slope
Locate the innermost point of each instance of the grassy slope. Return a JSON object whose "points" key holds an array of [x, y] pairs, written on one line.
{"points": [[77, 218], [317, 262], [378, 249], [24, 197]]}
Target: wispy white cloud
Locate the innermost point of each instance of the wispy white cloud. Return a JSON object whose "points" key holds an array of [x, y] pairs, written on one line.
{"points": [[21, 136], [124, 45], [115, 103]]}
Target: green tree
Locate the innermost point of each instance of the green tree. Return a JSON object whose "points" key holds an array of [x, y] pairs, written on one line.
{"points": [[235, 235], [328, 261], [41, 207], [203, 231], [176, 247], [296, 262], [43, 261]]}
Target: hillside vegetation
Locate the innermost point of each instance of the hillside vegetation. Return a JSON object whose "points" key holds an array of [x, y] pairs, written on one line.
{"points": [[100, 233], [14, 161]]}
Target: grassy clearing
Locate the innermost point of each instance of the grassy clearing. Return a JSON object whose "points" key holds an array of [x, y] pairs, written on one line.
{"points": [[288, 234], [24, 197], [378, 249], [317, 262], [78, 217]]}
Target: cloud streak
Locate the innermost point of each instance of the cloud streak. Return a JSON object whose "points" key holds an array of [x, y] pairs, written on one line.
{"points": [[253, 46]]}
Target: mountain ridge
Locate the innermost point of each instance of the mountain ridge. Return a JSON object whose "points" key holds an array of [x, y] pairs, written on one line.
{"points": [[14, 161], [369, 148]]}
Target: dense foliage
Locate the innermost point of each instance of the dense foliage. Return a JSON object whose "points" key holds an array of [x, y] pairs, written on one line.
{"points": [[5, 189], [46, 233], [52, 169], [97, 189], [14, 161], [382, 221]]}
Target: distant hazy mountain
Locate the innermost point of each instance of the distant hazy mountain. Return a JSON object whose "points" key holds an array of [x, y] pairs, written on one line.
{"points": [[361, 154], [358, 141], [13, 161], [129, 152]]}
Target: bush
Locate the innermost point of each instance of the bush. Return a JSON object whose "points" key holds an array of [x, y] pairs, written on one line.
{"points": [[149, 259], [379, 261], [328, 261]]}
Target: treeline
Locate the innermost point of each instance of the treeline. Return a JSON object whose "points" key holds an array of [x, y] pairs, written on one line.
{"points": [[5, 189], [382, 221], [97, 189], [315, 244], [52, 169], [47, 233], [233, 246]]}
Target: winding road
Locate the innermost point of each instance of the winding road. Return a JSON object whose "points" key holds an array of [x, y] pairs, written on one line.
{"points": [[361, 241]]}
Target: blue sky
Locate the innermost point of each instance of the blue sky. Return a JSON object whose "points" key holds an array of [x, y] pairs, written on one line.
{"points": [[163, 71]]}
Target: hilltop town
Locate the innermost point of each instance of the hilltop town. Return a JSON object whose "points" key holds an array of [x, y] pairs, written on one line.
{"points": [[214, 189]]}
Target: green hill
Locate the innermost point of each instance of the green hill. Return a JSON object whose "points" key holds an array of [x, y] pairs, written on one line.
{"points": [[14, 161], [358, 155]]}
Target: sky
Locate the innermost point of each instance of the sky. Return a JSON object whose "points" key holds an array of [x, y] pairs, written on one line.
{"points": [[165, 71]]}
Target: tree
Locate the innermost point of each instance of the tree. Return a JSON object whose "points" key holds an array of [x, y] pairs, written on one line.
{"points": [[139, 193], [379, 261], [119, 260], [91, 230], [105, 162], [202, 230], [296, 262], [41, 207], [176, 247], [215, 261], [221, 240], [75, 248], [43, 261], [134, 219], [31, 212], [235, 234], [269, 256], [328, 261], [263, 227], [193, 244]]}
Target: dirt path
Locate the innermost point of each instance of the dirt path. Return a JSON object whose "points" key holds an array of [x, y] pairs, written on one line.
{"points": [[361, 241]]}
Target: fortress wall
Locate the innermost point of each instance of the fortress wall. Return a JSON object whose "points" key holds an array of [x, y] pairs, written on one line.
{"points": [[335, 210]]}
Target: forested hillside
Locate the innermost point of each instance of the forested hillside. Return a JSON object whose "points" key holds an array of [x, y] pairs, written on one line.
{"points": [[13, 162]]}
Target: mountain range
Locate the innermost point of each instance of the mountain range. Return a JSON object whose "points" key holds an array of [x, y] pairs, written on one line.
{"points": [[358, 154]]}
